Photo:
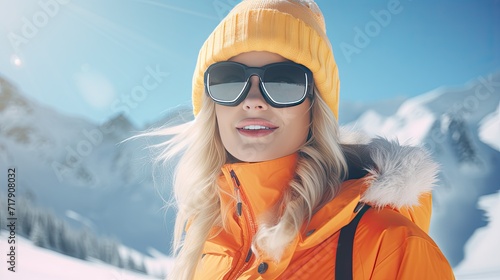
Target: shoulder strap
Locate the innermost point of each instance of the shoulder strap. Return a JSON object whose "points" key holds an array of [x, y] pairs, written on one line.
{"points": [[343, 260]]}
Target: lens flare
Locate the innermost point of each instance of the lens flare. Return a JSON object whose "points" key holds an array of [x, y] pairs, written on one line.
{"points": [[16, 61]]}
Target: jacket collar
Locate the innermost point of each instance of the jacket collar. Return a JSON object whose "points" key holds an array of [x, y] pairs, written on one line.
{"points": [[397, 174], [260, 184], [383, 173]]}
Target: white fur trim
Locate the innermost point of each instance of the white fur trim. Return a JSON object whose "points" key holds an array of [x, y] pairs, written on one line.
{"points": [[400, 175]]}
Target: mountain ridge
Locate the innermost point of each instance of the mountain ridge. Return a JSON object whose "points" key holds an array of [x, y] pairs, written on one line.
{"points": [[75, 166]]}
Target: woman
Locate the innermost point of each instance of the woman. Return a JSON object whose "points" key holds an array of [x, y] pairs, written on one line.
{"points": [[266, 180]]}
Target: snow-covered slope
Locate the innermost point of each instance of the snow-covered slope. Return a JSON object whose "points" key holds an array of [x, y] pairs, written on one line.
{"points": [[41, 264], [79, 170], [482, 248], [489, 130]]}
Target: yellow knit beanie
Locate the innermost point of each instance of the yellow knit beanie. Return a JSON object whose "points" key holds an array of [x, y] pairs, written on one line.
{"points": [[294, 29]]}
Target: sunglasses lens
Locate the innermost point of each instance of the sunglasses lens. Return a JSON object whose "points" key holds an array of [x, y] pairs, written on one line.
{"points": [[226, 82], [285, 84]]}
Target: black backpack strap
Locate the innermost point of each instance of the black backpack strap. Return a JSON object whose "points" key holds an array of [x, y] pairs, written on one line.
{"points": [[343, 260]]}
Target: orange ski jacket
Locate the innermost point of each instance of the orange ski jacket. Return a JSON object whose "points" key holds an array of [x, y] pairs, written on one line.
{"points": [[391, 241]]}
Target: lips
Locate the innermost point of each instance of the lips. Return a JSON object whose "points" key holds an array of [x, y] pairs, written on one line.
{"points": [[255, 127]]}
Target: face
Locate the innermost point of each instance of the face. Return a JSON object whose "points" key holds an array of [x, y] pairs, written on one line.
{"points": [[255, 131]]}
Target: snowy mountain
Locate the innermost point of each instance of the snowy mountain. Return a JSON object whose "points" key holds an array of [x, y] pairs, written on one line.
{"points": [[461, 127], [85, 174], [82, 171], [481, 250]]}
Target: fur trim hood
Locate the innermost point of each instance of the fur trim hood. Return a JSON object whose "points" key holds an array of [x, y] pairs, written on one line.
{"points": [[382, 173], [399, 174]]}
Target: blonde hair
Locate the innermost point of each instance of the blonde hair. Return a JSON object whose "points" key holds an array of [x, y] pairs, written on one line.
{"points": [[320, 171]]}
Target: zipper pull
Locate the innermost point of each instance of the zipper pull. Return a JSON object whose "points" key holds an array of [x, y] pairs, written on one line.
{"points": [[236, 183]]}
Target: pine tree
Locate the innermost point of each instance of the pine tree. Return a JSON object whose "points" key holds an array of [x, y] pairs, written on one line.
{"points": [[45, 230], [38, 235], [89, 243], [131, 265], [63, 245], [114, 253], [51, 231], [26, 218], [142, 266], [3, 209]]}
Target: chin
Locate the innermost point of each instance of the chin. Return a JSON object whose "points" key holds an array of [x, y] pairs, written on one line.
{"points": [[256, 158]]}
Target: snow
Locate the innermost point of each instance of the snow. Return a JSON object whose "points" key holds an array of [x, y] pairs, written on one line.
{"points": [[79, 218], [410, 124], [489, 131], [482, 261], [461, 128], [109, 189], [369, 117], [69, 165], [412, 121], [33, 262]]}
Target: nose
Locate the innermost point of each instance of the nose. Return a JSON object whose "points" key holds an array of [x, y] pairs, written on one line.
{"points": [[254, 99]]}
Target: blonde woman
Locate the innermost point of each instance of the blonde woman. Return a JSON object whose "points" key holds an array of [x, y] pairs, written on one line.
{"points": [[266, 183]]}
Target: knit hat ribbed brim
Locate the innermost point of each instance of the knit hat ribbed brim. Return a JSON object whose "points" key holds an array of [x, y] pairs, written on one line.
{"points": [[292, 29]]}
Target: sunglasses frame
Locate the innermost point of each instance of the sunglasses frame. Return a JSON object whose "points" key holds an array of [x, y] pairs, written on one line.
{"points": [[259, 72]]}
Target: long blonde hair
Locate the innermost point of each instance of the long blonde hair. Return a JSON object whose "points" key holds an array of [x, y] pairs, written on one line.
{"points": [[320, 171]]}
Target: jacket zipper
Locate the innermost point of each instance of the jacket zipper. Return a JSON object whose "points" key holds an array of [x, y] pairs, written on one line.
{"points": [[236, 184], [246, 217]]}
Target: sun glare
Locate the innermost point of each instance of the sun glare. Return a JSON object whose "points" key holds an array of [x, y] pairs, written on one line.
{"points": [[16, 60]]}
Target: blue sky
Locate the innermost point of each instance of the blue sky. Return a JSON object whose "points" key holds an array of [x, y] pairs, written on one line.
{"points": [[94, 59]]}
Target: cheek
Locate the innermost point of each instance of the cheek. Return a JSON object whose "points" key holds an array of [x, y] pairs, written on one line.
{"points": [[222, 116], [304, 128], [301, 121], [224, 122], [296, 121]]}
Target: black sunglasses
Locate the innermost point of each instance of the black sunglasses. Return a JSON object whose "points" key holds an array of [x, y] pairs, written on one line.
{"points": [[283, 84]]}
